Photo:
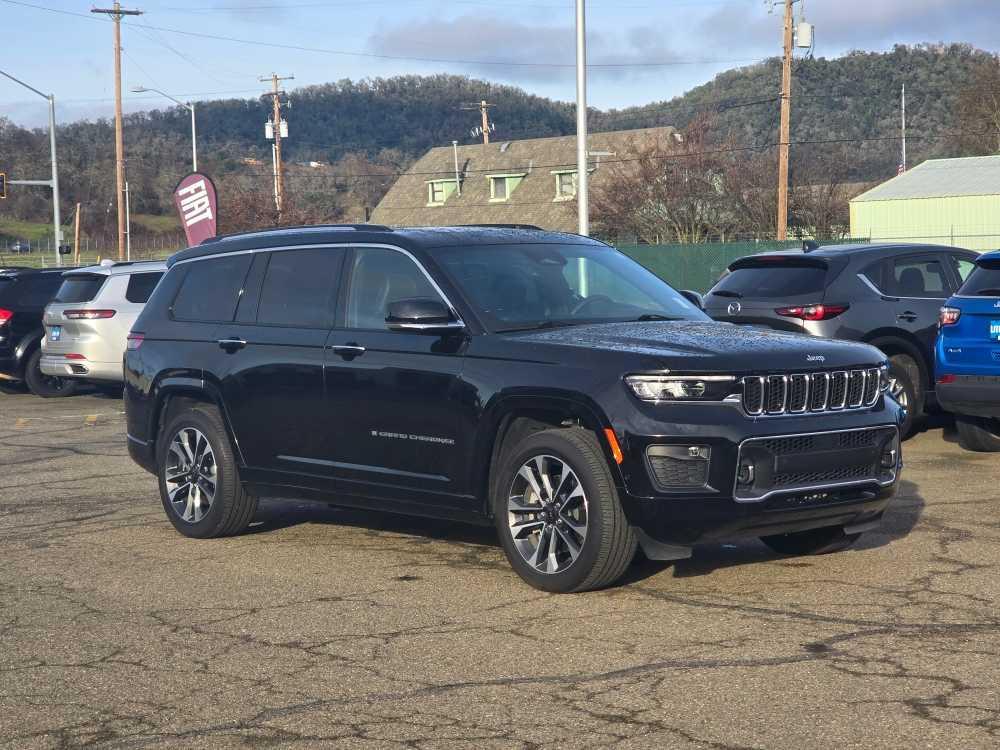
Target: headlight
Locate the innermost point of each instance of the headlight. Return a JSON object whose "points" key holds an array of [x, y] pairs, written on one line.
{"points": [[883, 378], [657, 388]]}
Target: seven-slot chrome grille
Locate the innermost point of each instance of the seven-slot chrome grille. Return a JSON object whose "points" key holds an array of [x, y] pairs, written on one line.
{"points": [[799, 393]]}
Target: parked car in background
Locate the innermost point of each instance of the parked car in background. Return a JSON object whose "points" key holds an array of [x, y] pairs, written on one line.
{"points": [[968, 356], [541, 382], [88, 320], [885, 295], [24, 292], [20, 247]]}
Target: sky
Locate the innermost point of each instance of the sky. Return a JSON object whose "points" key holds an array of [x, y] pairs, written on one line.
{"points": [[639, 50]]}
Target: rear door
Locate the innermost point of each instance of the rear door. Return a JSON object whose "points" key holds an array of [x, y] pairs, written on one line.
{"points": [[758, 286], [919, 285]]}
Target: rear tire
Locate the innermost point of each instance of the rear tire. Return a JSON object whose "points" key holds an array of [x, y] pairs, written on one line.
{"points": [[558, 513], [199, 480], [46, 386], [907, 388], [812, 542], [978, 433]]}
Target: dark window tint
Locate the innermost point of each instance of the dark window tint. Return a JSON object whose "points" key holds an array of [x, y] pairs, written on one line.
{"points": [[141, 285], [379, 278], [773, 281], [36, 291], [7, 287], [917, 277], [984, 280], [298, 288], [211, 289], [80, 287]]}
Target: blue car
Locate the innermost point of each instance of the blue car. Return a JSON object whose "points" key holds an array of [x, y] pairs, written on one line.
{"points": [[967, 356]]}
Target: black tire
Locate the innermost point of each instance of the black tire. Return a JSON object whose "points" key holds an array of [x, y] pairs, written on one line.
{"points": [[813, 542], [978, 433], [904, 371], [13, 386], [609, 544], [231, 507], [46, 386]]}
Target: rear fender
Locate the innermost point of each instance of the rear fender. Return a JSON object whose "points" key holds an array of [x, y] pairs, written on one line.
{"points": [[26, 347], [190, 386]]}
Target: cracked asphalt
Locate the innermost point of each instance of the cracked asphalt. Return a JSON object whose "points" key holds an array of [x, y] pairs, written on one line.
{"points": [[335, 628]]}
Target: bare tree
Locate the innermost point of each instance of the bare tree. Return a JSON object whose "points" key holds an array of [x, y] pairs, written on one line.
{"points": [[979, 110], [750, 187]]}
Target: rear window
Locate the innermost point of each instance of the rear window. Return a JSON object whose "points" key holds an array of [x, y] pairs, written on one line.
{"points": [[80, 287], [772, 280], [141, 285], [984, 280], [211, 289], [33, 290]]}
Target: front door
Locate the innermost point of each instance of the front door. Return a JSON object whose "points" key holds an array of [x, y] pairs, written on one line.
{"points": [[392, 396]]}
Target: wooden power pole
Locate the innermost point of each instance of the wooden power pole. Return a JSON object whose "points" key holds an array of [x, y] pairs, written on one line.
{"points": [[76, 236], [484, 112], [279, 177], [784, 134], [116, 13]]}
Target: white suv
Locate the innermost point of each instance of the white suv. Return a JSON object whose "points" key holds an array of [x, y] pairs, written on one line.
{"points": [[88, 320]]}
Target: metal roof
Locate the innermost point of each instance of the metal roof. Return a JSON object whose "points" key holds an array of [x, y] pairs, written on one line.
{"points": [[941, 178]]}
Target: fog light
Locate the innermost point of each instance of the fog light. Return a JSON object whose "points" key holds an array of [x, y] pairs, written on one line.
{"points": [[889, 458], [745, 473]]}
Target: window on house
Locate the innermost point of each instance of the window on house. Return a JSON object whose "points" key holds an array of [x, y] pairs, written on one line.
{"points": [[439, 190], [566, 184], [502, 185]]}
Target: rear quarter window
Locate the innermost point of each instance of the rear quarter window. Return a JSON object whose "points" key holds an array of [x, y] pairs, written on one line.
{"points": [[211, 289], [774, 281], [983, 281], [141, 285], [79, 288]]}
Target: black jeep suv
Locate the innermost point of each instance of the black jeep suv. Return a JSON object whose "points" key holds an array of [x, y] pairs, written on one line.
{"points": [[541, 382], [885, 295]]}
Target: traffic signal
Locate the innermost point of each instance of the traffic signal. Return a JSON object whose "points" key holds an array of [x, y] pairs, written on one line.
{"points": [[3, 185]]}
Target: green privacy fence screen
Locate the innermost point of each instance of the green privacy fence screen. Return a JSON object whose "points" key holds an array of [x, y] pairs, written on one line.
{"points": [[699, 266]]}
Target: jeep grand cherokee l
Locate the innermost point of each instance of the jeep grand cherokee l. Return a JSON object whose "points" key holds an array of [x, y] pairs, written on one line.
{"points": [[541, 382]]}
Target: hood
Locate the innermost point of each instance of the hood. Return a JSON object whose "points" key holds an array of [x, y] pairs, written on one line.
{"points": [[710, 346]]}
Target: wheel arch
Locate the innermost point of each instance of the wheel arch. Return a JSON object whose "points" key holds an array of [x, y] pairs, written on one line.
{"points": [[892, 342], [177, 390], [25, 347]]}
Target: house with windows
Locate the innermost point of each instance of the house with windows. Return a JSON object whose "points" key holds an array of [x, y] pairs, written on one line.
{"points": [[505, 182]]}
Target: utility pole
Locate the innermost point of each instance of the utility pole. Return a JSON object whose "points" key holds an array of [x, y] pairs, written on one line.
{"points": [[279, 178], [76, 236], [484, 129], [583, 209], [784, 133], [116, 13], [902, 164]]}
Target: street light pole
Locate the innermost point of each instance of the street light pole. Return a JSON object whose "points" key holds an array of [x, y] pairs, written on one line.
{"points": [[54, 182], [583, 209], [188, 106]]}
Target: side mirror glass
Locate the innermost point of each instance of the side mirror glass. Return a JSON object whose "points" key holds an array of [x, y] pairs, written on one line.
{"points": [[421, 315], [694, 298]]}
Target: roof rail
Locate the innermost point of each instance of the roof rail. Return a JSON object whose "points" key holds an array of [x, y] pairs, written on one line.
{"points": [[505, 226], [300, 227]]}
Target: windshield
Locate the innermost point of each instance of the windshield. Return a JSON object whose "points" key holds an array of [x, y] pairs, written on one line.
{"points": [[983, 281], [514, 287]]}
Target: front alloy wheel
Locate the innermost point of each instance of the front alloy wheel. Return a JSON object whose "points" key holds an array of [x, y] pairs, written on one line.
{"points": [[547, 514], [190, 475]]}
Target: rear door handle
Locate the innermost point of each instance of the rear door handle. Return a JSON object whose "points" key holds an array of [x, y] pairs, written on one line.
{"points": [[232, 344], [908, 316], [348, 351]]}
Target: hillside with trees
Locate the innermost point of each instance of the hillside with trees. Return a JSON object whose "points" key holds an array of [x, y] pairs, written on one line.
{"points": [[363, 132]]}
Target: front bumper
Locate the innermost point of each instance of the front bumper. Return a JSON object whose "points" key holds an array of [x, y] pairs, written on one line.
{"points": [[58, 366], [975, 395]]}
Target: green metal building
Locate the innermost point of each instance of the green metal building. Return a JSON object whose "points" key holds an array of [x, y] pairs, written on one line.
{"points": [[942, 201]]}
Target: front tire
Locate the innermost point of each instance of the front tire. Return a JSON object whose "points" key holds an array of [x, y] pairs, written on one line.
{"points": [[978, 433], [199, 481], [46, 386], [558, 514], [812, 542]]}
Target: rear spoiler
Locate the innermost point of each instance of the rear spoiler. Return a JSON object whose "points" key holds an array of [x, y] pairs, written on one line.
{"points": [[770, 260]]}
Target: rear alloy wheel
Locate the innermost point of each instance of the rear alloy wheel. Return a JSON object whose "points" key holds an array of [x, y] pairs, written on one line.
{"points": [[813, 542], [200, 486], [46, 386], [905, 388], [558, 514], [978, 433]]}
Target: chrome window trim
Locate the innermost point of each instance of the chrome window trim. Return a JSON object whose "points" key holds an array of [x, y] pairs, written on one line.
{"points": [[871, 285], [341, 245]]}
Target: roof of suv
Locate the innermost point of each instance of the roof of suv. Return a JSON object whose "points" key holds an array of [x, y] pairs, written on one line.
{"points": [[120, 268], [419, 237], [841, 251], [14, 272]]}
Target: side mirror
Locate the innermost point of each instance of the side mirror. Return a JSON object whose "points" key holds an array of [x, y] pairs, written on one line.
{"points": [[694, 298], [65, 249], [421, 315]]}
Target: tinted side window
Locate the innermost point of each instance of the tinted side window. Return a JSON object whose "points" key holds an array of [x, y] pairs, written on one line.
{"points": [[141, 285], [298, 288], [984, 280], [211, 289], [380, 277], [80, 288], [37, 291], [917, 277], [963, 267]]}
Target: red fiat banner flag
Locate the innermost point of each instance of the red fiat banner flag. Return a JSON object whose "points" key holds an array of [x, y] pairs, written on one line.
{"points": [[197, 206]]}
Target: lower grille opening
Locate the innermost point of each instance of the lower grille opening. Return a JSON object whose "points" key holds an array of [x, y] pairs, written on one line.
{"points": [[679, 467]]}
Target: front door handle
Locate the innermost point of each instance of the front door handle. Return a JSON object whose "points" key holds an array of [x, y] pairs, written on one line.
{"points": [[908, 316], [232, 344], [348, 351]]}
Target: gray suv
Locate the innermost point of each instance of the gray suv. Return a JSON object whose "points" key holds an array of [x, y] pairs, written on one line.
{"points": [[885, 295], [87, 323]]}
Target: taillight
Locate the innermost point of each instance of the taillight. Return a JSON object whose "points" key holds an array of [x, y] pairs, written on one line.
{"points": [[5, 315], [812, 312], [948, 316], [89, 314], [134, 340]]}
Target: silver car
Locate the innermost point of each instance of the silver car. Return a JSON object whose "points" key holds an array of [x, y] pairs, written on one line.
{"points": [[88, 320]]}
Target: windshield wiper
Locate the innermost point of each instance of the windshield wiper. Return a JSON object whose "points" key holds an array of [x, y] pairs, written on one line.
{"points": [[727, 293], [655, 316], [541, 326], [988, 292]]}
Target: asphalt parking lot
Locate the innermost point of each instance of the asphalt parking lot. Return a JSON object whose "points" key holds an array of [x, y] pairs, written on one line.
{"points": [[328, 627]]}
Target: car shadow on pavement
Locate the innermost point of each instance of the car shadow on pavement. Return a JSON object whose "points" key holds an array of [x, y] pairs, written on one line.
{"points": [[900, 519]]}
